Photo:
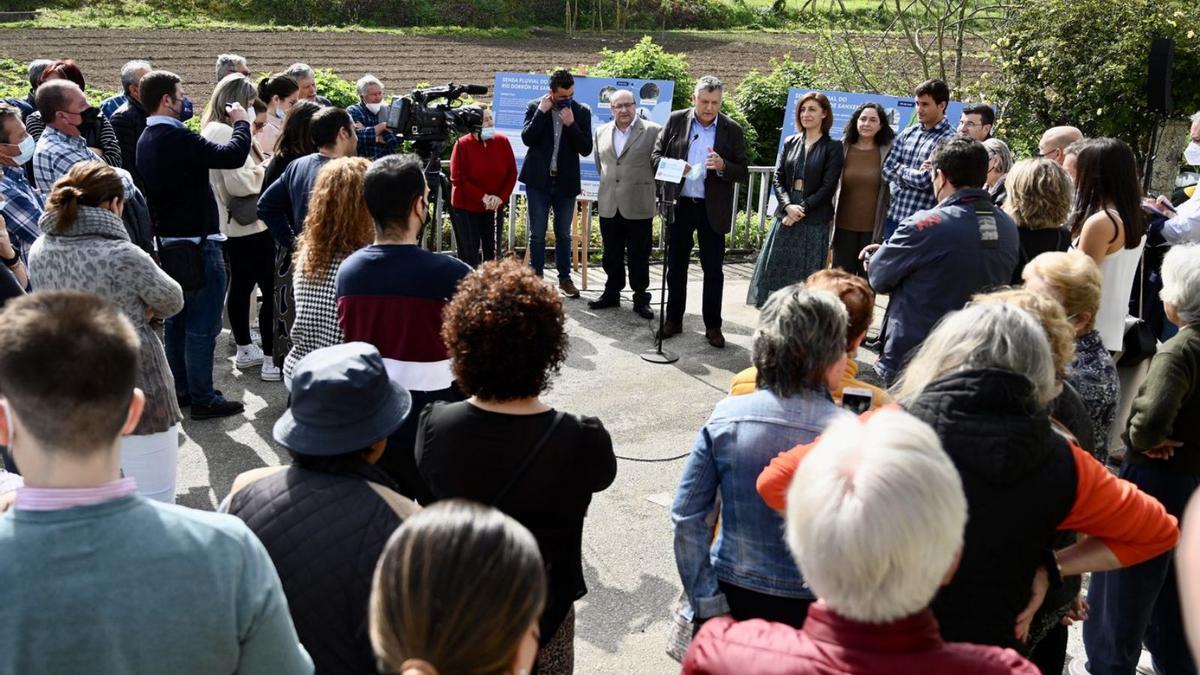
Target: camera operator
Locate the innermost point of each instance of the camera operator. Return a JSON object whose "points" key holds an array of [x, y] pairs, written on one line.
{"points": [[557, 131], [483, 172]]}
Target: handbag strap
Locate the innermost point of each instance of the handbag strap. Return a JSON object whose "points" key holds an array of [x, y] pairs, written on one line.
{"points": [[1142, 283], [558, 417]]}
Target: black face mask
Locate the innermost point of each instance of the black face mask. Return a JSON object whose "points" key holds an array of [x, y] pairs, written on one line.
{"points": [[89, 116]]}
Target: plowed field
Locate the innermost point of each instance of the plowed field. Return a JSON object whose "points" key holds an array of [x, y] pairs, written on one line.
{"points": [[400, 61]]}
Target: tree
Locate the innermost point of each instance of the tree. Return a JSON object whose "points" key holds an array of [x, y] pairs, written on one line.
{"points": [[762, 99], [1085, 63], [647, 60]]}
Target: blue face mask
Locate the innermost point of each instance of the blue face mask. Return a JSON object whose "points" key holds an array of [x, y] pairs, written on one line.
{"points": [[27, 146], [565, 103], [185, 110], [487, 133]]}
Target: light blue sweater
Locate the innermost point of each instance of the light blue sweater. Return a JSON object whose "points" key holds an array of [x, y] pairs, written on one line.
{"points": [[135, 586]]}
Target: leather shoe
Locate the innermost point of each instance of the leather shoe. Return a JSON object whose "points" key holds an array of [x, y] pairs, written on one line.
{"points": [[669, 329], [715, 338], [604, 302], [568, 288], [644, 311]]}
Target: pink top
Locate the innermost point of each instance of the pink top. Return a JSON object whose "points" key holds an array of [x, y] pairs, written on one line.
{"points": [[55, 499]]}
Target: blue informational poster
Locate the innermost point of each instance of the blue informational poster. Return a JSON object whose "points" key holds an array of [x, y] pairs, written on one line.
{"points": [[902, 111], [514, 91]]}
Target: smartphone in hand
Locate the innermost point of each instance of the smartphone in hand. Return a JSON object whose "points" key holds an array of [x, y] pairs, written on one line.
{"points": [[857, 400]]}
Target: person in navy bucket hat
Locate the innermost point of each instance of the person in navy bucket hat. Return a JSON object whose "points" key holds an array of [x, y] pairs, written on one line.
{"points": [[342, 400], [325, 518]]}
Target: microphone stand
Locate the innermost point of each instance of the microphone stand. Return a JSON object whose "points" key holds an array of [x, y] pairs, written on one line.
{"points": [[666, 209]]}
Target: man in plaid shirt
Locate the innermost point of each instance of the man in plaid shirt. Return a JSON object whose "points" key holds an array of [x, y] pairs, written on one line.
{"points": [[62, 104], [370, 120], [22, 204], [906, 168]]}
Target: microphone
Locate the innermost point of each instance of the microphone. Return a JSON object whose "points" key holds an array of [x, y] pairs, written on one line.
{"points": [[477, 89]]}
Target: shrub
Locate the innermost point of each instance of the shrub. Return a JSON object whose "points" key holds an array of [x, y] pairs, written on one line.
{"points": [[647, 60], [762, 98], [341, 93], [1084, 62], [730, 110]]}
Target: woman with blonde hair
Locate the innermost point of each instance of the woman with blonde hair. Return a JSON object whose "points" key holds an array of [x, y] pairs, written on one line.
{"points": [[337, 225], [249, 247], [86, 247], [458, 589], [1074, 281], [1039, 201]]}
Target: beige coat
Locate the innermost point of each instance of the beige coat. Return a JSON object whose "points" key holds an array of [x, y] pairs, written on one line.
{"points": [[627, 181]]}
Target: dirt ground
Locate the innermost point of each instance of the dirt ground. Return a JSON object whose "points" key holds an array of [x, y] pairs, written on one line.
{"points": [[400, 61]]}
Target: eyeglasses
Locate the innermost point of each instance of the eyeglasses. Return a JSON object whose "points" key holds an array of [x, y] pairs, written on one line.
{"points": [[622, 106], [968, 125]]}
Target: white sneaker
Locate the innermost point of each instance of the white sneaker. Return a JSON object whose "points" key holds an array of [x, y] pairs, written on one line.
{"points": [[270, 373], [249, 355]]}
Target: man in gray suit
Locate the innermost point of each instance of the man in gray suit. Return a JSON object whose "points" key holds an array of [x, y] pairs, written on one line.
{"points": [[626, 201]]}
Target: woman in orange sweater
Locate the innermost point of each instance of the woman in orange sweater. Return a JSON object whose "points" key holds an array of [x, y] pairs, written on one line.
{"points": [[982, 380]]}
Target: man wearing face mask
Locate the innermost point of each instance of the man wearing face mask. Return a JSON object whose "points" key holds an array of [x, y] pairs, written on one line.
{"points": [[65, 111], [1183, 222], [391, 295], [129, 119], [483, 172], [938, 258], [175, 163], [557, 132], [370, 120], [23, 205]]}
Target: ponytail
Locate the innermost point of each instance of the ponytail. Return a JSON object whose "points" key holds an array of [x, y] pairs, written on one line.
{"points": [[86, 183], [276, 85]]}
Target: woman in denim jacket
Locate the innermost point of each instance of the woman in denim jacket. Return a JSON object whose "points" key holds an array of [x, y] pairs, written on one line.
{"points": [[800, 352]]}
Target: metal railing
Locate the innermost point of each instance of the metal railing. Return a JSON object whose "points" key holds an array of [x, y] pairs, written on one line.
{"points": [[748, 224]]}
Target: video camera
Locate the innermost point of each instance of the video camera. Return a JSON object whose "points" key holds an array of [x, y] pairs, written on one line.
{"points": [[413, 118]]}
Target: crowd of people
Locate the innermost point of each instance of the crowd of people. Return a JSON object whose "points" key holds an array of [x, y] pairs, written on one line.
{"points": [[431, 518]]}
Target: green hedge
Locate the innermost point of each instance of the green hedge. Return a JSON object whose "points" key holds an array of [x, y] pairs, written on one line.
{"points": [[762, 99]]}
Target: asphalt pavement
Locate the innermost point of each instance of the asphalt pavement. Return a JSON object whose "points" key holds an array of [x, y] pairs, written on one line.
{"points": [[652, 412]]}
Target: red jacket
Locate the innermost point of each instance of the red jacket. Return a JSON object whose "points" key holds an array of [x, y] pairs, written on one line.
{"points": [[832, 645], [478, 169]]}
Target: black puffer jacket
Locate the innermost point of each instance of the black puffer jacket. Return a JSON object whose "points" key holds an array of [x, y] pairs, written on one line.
{"points": [[325, 532], [1020, 480]]}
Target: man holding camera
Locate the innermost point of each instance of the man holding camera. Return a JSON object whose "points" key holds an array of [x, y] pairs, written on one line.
{"points": [[175, 162], [557, 132], [626, 201]]}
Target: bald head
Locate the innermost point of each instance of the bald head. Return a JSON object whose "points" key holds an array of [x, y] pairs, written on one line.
{"points": [[624, 107], [1055, 141], [60, 102]]}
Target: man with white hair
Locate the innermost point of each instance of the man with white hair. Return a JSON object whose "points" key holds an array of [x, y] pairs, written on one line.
{"points": [[231, 63], [623, 151], [370, 120], [875, 518], [306, 77], [128, 119]]}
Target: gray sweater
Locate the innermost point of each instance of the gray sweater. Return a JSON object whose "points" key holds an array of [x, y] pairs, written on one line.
{"points": [[94, 254], [135, 586]]}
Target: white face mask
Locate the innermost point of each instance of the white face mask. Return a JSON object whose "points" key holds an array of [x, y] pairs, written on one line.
{"points": [[27, 146], [374, 107], [279, 113], [487, 133], [1191, 154]]}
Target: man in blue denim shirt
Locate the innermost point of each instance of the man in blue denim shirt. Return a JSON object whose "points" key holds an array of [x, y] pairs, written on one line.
{"points": [[800, 353]]}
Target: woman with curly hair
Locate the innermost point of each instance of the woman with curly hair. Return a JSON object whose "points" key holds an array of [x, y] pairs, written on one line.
{"points": [[504, 446], [1039, 201], [337, 225]]}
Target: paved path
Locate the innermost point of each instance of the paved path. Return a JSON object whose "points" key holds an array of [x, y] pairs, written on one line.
{"points": [[653, 413]]}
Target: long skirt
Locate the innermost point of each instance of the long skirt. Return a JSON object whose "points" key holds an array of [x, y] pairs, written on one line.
{"points": [[789, 255]]}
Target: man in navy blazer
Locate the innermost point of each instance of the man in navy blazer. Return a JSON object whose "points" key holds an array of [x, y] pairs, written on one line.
{"points": [[557, 132]]}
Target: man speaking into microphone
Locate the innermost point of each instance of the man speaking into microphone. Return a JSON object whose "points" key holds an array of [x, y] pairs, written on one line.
{"points": [[714, 149]]}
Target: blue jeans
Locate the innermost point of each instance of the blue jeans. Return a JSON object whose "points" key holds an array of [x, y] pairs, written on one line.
{"points": [[1140, 604], [191, 335], [538, 207]]}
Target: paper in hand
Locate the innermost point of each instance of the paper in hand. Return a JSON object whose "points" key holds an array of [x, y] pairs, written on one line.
{"points": [[670, 170]]}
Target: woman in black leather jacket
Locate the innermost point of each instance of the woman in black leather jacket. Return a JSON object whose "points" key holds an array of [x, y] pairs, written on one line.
{"points": [[805, 180]]}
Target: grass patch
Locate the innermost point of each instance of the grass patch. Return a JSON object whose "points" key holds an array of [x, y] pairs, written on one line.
{"points": [[144, 17]]}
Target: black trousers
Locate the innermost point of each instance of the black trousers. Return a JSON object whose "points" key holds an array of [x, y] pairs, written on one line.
{"points": [[846, 247], [691, 219], [620, 234], [251, 263], [476, 234], [745, 604]]}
